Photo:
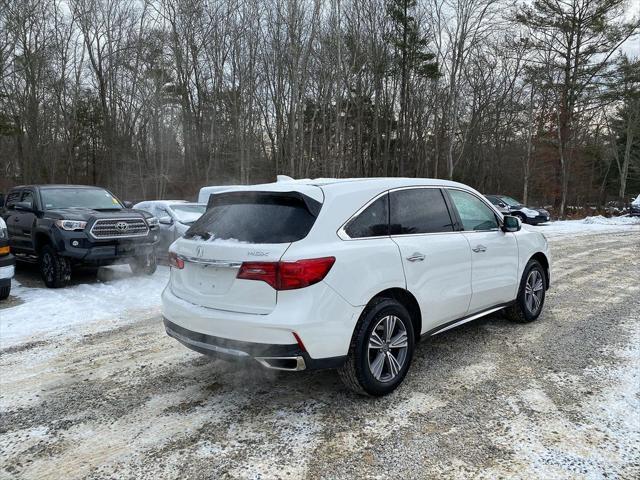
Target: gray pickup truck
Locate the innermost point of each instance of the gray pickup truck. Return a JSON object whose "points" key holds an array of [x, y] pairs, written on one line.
{"points": [[61, 226]]}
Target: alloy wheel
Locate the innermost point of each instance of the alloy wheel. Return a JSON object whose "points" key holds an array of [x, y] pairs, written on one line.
{"points": [[534, 291], [388, 347]]}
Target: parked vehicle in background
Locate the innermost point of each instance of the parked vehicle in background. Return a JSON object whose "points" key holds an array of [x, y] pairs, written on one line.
{"points": [[511, 206], [206, 192], [634, 208], [61, 226], [7, 262], [502, 207], [347, 274], [174, 216]]}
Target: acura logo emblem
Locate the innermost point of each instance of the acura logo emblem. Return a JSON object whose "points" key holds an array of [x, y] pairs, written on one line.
{"points": [[199, 252], [122, 226]]}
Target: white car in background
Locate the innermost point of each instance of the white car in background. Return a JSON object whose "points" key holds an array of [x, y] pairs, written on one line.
{"points": [[174, 216], [634, 209], [347, 274]]}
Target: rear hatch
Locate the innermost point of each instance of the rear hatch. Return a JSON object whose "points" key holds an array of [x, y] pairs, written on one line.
{"points": [[241, 226]]}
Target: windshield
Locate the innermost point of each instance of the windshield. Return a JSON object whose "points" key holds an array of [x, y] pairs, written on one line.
{"points": [[512, 202], [188, 214], [93, 198]]}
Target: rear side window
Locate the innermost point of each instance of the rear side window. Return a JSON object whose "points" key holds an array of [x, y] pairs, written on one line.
{"points": [[419, 210], [256, 217], [13, 198], [373, 221], [474, 213]]}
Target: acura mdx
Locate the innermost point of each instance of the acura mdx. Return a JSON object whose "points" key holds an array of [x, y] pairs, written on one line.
{"points": [[347, 274]]}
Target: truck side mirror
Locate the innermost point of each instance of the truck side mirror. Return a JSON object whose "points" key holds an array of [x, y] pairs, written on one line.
{"points": [[24, 206]]}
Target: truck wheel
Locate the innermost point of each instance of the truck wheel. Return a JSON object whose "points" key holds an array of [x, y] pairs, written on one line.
{"points": [[522, 217], [147, 265], [381, 349], [4, 292], [55, 269], [530, 301]]}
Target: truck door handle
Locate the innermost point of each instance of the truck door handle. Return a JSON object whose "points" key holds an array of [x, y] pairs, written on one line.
{"points": [[480, 249], [416, 257]]}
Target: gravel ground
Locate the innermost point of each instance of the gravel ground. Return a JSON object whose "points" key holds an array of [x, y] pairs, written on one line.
{"points": [[559, 398]]}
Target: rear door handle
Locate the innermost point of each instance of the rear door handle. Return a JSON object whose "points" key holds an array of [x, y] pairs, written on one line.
{"points": [[479, 249], [416, 257]]}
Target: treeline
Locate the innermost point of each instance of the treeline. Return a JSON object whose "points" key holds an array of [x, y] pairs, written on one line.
{"points": [[155, 98]]}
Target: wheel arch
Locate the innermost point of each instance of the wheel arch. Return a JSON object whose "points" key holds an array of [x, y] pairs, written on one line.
{"points": [[408, 301], [544, 261], [41, 239]]}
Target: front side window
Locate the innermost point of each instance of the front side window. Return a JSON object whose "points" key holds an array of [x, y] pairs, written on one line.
{"points": [[512, 202], [419, 210], [27, 197], [92, 198], [474, 213], [373, 221]]}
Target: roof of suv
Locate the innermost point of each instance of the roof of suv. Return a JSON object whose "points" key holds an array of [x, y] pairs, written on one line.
{"points": [[387, 182]]}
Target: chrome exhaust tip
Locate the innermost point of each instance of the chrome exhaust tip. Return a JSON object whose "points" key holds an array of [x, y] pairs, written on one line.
{"points": [[290, 364]]}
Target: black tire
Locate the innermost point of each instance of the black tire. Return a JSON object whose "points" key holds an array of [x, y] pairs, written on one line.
{"points": [[356, 373], [145, 265], [521, 311], [522, 217], [5, 291], [55, 269]]}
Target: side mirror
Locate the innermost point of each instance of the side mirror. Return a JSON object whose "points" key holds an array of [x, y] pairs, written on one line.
{"points": [[166, 220], [127, 204], [511, 224], [24, 206]]}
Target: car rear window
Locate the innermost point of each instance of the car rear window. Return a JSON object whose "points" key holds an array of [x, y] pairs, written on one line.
{"points": [[256, 217]]}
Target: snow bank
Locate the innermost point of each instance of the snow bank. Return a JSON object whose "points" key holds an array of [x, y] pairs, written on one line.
{"points": [[97, 306], [587, 226], [600, 220]]}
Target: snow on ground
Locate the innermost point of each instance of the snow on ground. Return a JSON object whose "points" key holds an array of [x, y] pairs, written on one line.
{"points": [[97, 305], [587, 226]]}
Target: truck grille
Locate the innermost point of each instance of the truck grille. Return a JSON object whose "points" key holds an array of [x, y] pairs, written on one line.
{"points": [[120, 228]]}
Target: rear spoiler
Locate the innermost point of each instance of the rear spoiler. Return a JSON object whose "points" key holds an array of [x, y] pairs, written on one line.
{"points": [[265, 197]]}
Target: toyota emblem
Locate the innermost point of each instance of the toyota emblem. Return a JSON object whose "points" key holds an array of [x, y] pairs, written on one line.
{"points": [[122, 226]]}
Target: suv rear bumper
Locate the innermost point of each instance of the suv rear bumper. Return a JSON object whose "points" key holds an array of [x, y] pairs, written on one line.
{"points": [[278, 357], [322, 319]]}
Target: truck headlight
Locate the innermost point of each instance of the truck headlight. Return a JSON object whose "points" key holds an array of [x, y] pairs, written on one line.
{"points": [[153, 222], [71, 224]]}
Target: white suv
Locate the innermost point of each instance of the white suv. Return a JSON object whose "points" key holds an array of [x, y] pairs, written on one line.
{"points": [[347, 274]]}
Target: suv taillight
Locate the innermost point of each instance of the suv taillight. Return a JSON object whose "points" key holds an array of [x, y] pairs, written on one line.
{"points": [[287, 275]]}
